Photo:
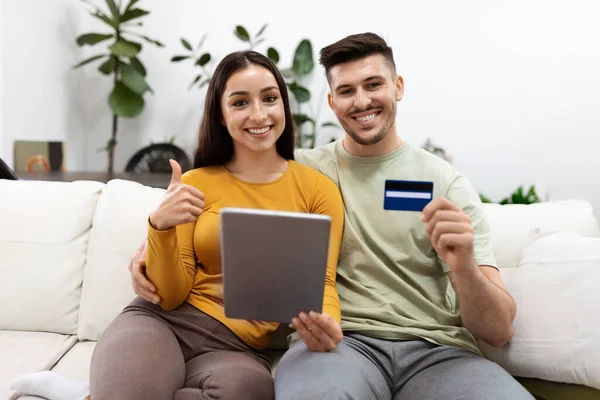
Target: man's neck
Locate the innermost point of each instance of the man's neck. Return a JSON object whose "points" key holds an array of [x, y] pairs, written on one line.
{"points": [[389, 143]]}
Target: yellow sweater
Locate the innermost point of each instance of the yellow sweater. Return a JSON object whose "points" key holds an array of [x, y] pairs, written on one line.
{"points": [[185, 262]]}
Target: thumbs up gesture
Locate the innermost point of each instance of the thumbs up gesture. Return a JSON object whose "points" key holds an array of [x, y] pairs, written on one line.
{"points": [[181, 204]]}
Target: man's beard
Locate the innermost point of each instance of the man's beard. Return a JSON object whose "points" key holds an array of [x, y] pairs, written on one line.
{"points": [[368, 141]]}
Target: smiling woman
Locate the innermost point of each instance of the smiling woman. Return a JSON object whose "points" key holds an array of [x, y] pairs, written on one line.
{"points": [[244, 159]]}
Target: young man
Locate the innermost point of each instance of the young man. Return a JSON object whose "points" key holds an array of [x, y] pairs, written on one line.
{"points": [[416, 289]]}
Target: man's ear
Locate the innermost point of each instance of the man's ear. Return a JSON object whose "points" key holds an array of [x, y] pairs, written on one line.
{"points": [[330, 101], [399, 88]]}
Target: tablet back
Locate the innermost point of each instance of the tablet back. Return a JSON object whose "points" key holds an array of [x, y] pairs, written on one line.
{"points": [[273, 263]]}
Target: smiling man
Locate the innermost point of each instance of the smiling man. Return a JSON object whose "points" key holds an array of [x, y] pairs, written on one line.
{"points": [[417, 278]]}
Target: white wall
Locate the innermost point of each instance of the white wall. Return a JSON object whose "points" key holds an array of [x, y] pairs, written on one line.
{"points": [[510, 88]]}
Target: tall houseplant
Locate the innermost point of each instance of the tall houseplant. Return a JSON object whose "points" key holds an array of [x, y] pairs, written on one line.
{"points": [[121, 62]]}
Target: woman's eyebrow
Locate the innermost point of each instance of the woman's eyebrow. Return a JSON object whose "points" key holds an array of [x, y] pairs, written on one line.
{"points": [[245, 93]]}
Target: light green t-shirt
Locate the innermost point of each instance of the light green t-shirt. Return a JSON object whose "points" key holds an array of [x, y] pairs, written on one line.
{"points": [[391, 282]]}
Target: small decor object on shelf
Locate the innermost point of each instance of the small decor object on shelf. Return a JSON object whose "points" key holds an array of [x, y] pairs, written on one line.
{"points": [[38, 156]]}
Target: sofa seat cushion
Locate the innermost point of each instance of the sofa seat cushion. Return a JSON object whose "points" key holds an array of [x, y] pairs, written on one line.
{"points": [[76, 363], [24, 352]]}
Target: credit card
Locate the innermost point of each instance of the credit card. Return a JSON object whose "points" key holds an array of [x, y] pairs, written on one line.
{"points": [[407, 195]]}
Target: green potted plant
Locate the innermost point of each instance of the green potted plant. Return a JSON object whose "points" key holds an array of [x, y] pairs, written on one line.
{"points": [[120, 61]]}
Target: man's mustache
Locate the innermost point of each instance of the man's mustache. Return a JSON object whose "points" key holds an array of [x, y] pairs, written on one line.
{"points": [[357, 110]]}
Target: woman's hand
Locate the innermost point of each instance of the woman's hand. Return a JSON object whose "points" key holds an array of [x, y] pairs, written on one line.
{"points": [[181, 204], [320, 332]]}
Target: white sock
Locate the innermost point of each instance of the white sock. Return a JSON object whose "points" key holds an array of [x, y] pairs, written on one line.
{"points": [[50, 385]]}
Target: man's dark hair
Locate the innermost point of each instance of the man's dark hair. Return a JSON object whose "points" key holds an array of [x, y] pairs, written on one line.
{"points": [[355, 47]]}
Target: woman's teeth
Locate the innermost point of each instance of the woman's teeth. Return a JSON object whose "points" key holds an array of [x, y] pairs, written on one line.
{"points": [[259, 131], [366, 117]]}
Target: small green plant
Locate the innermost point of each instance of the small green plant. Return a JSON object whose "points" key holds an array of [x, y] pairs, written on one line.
{"points": [[519, 196], [121, 61], [200, 59], [484, 198]]}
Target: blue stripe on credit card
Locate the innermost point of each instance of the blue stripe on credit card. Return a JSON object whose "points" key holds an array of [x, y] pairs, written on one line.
{"points": [[407, 195]]}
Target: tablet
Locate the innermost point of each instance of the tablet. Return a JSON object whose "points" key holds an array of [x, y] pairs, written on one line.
{"points": [[273, 263]]}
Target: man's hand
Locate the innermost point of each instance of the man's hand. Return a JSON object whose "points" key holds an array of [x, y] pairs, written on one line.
{"points": [[451, 233], [181, 204], [320, 332], [141, 285]]}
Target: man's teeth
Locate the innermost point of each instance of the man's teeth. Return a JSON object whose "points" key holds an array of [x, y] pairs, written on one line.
{"points": [[367, 117], [259, 131]]}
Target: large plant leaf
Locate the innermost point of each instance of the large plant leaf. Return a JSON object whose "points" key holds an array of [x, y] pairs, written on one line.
{"points": [[133, 14], [133, 79], [303, 58], [124, 48], [124, 102], [301, 93], [137, 64], [108, 67], [179, 58], [203, 60], [330, 124], [107, 20], [242, 33], [89, 60], [92, 38], [137, 45], [114, 10], [273, 54], [130, 5], [186, 44]]}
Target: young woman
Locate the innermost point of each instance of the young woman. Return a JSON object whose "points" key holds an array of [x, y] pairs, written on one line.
{"points": [[184, 347]]}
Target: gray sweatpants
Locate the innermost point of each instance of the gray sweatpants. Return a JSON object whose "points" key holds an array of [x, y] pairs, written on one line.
{"points": [[363, 368]]}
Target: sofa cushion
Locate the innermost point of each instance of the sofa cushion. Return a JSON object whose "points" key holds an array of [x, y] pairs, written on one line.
{"points": [[43, 243], [76, 363], [557, 325], [120, 226], [512, 225], [25, 352]]}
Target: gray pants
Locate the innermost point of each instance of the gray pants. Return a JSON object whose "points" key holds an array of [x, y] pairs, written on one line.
{"points": [[151, 354], [363, 368]]}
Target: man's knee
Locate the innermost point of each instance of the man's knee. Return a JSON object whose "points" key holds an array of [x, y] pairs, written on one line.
{"points": [[341, 374]]}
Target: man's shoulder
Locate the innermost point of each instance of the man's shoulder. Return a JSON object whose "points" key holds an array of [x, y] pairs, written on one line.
{"points": [[318, 157], [431, 162]]}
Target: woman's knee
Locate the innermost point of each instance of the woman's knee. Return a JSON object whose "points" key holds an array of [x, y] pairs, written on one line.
{"points": [[137, 354], [240, 377]]}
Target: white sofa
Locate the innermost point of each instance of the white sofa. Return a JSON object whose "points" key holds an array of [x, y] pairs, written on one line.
{"points": [[65, 247]]}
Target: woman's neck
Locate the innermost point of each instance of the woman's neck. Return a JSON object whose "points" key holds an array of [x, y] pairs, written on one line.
{"points": [[257, 167]]}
